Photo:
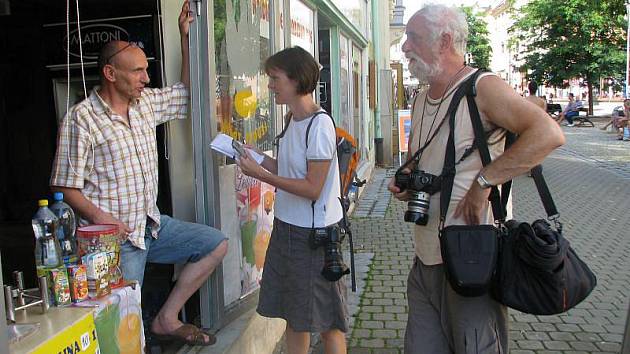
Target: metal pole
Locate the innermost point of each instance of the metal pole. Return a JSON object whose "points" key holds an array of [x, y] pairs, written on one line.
{"points": [[628, 49]]}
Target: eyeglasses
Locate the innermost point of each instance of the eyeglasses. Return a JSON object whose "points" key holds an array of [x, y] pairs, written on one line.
{"points": [[130, 44]]}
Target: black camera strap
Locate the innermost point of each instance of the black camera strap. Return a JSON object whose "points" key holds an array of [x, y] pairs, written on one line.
{"points": [[344, 220]]}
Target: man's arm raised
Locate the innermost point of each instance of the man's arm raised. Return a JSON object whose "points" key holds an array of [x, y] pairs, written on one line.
{"points": [[185, 18]]}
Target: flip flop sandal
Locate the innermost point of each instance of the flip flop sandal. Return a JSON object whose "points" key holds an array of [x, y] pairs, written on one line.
{"points": [[188, 334]]}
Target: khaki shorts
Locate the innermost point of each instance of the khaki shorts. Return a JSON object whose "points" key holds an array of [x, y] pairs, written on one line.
{"points": [[442, 321], [293, 288]]}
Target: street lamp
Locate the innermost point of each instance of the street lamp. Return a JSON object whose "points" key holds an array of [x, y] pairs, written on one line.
{"points": [[628, 49]]}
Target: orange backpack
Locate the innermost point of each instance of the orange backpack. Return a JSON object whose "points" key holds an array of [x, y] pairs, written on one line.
{"points": [[347, 157]]}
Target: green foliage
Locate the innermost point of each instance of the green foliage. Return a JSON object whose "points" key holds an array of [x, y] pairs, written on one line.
{"points": [[564, 39], [478, 42]]}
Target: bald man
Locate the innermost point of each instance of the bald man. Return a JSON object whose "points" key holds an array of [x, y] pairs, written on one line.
{"points": [[107, 167]]}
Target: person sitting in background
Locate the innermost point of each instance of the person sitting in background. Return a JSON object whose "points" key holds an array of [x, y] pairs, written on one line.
{"points": [[622, 123], [570, 111], [618, 116]]}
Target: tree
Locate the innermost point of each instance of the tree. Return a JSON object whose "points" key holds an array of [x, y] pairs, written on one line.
{"points": [[478, 42], [567, 39]]}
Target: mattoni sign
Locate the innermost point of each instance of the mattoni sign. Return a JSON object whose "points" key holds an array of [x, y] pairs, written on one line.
{"points": [[92, 38]]}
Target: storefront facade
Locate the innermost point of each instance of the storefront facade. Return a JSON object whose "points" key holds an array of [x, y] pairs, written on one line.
{"points": [[229, 41], [233, 98]]}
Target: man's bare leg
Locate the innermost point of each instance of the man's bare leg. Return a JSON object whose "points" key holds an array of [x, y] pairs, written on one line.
{"points": [[190, 279]]}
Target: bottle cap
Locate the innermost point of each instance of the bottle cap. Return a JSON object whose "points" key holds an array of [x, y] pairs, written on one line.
{"points": [[58, 196], [42, 202]]}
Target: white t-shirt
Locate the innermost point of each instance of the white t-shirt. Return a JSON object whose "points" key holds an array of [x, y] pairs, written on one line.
{"points": [[292, 156]]}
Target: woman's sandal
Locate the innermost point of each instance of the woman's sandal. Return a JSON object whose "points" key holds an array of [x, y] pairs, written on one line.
{"points": [[189, 334]]}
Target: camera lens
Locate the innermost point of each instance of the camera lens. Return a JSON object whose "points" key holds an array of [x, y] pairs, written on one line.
{"points": [[418, 208]]}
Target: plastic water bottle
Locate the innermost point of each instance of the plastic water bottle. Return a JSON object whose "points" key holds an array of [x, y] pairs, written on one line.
{"points": [[67, 229], [47, 250]]}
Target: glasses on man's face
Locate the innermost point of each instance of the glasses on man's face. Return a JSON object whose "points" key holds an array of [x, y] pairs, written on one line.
{"points": [[130, 44]]}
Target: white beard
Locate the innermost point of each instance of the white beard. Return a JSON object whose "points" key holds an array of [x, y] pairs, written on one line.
{"points": [[421, 70]]}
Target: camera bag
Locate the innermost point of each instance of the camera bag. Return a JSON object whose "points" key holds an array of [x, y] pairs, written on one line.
{"points": [[469, 252], [537, 271]]}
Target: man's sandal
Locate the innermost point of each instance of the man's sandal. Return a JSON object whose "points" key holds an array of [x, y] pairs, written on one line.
{"points": [[189, 334]]}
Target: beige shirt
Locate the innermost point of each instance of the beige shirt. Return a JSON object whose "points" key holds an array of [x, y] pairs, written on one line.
{"points": [[115, 163], [426, 241]]}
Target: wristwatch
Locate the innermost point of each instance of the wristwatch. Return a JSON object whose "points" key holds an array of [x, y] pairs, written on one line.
{"points": [[483, 182]]}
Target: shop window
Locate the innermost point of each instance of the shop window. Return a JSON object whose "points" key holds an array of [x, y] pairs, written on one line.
{"points": [[244, 111], [242, 43], [356, 12], [302, 26], [344, 100]]}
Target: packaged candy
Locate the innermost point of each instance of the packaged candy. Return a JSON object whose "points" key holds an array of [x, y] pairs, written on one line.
{"points": [[97, 269], [58, 282], [78, 282]]}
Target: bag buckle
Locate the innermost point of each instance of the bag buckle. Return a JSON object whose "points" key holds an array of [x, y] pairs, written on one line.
{"points": [[556, 222]]}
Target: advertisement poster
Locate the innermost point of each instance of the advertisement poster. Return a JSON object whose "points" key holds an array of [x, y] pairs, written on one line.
{"points": [[404, 127], [254, 206], [118, 320]]}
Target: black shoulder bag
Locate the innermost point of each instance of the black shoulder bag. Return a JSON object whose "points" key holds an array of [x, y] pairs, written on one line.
{"points": [[537, 271]]}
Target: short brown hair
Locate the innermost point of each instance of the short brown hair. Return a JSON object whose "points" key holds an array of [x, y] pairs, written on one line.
{"points": [[299, 65]]}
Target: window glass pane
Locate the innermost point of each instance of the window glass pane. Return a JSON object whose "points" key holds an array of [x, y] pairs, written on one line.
{"points": [[243, 106], [241, 30], [355, 11], [344, 103], [357, 96], [302, 26]]}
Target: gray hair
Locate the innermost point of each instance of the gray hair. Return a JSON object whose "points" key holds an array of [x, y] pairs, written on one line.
{"points": [[441, 19]]}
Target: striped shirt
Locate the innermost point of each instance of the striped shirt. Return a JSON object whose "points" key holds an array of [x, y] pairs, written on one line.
{"points": [[115, 163]]}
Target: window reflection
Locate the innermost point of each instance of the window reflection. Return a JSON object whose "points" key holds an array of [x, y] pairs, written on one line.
{"points": [[241, 29]]}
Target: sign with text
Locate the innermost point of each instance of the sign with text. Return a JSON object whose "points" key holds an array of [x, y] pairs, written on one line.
{"points": [[93, 35], [404, 128]]}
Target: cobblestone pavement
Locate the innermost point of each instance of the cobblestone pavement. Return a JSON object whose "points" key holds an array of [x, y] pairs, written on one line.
{"points": [[588, 178]]}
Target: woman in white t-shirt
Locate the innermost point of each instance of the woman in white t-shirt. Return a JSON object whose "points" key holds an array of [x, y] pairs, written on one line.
{"points": [[307, 179]]}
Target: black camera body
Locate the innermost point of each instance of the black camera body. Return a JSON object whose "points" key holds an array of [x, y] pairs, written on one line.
{"points": [[420, 186], [331, 238], [417, 180]]}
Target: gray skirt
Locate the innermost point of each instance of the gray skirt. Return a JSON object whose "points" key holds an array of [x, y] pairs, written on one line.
{"points": [[293, 288]]}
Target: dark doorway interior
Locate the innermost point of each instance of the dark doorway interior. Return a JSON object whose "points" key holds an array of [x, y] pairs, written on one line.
{"points": [[28, 118]]}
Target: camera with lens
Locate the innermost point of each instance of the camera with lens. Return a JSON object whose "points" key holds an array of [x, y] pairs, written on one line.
{"points": [[420, 185], [331, 238]]}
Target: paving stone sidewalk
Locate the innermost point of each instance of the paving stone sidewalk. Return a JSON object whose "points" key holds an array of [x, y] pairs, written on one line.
{"points": [[589, 181]]}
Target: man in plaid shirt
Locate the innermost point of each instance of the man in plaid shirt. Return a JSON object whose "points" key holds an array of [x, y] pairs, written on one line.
{"points": [[106, 166]]}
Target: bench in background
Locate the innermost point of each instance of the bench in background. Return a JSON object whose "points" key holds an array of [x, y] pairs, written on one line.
{"points": [[583, 119]]}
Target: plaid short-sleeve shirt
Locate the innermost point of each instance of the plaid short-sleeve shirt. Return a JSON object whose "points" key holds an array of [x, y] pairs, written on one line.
{"points": [[115, 163]]}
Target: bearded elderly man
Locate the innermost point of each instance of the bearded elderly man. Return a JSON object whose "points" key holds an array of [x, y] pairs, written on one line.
{"points": [[106, 165], [440, 320]]}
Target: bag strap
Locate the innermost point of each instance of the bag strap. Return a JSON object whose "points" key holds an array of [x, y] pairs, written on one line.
{"points": [[448, 171], [501, 200]]}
